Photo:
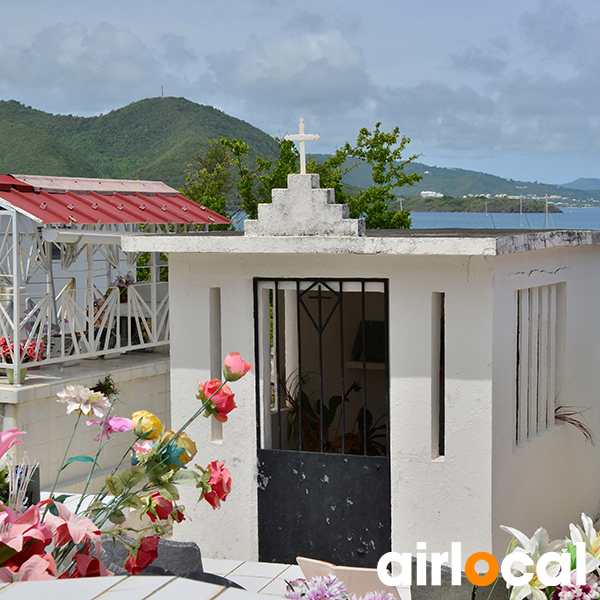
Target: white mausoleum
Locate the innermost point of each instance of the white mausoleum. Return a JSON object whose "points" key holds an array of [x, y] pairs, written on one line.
{"points": [[462, 344]]}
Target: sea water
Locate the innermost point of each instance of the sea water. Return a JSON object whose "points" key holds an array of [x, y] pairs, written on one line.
{"points": [[569, 218]]}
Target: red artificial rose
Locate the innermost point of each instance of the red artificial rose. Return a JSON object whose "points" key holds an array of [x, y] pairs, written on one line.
{"points": [[146, 554], [235, 367], [220, 483], [161, 506], [177, 515], [223, 399]]}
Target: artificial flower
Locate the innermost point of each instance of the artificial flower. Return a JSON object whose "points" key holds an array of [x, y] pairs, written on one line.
{"points": [[67, 527], [534, 547], [35, 568], [220, 396], [235, 367], [147, 425], [81, 399], [588, 591], [378, 596], [591, 538], [8, 439], [322, 587], [220, 483], [89, 566], [183, 441], [144, 557], [144, 448], [160, 508], [17, 530], [112, 425]]}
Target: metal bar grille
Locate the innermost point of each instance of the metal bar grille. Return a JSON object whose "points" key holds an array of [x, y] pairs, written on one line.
{"points": [[312, 408]]}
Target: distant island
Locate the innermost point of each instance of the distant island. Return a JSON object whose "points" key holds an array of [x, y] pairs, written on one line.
{"points": [[472, 204]]}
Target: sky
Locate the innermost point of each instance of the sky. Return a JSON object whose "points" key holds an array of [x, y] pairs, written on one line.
{"points": [[510, 88]]}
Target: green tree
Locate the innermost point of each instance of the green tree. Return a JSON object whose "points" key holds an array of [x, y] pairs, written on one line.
{"points": [[222, 176], [209, 179]]}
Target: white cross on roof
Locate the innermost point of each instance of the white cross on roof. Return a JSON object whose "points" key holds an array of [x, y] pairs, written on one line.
{"points": [[301, 137]]}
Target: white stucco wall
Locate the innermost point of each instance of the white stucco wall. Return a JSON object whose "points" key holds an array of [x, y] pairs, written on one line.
{"points": [[483, 480], [143, 381], [550, 481], [430, 498]]}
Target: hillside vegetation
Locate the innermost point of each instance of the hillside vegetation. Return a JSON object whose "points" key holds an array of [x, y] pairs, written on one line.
{"points": [[155, 139], [150, 139], [455, 183]]}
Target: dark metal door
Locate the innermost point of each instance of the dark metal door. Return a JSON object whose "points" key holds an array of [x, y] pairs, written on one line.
{"points": [[322, 408]]}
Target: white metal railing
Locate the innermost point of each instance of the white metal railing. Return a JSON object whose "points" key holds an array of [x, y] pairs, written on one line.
{"points": [[106, 303]]}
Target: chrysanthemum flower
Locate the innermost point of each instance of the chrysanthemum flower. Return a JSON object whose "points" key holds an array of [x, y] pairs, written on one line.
{"points": [[83, 400]]}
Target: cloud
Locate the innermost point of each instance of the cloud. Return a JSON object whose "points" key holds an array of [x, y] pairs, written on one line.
{"points": [[175, 51], [474, 59], [94, 69], [300, 71], [554, 26]]}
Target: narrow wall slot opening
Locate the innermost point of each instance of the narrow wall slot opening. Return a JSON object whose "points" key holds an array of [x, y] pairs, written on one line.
{"points": [[438, 375], [216, 427]]}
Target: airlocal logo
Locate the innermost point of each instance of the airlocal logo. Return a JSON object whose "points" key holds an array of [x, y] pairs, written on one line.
{"points": [[437, 559]]}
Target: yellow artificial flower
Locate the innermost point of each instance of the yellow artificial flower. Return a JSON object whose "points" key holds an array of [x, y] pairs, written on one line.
{"points": [[150, 424], [183, 441]]}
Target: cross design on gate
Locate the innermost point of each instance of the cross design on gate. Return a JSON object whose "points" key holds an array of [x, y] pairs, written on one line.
{"points": [[301, 137]]}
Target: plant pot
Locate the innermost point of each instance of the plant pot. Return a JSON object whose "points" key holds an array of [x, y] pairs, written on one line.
{"points": [[10, 374]]}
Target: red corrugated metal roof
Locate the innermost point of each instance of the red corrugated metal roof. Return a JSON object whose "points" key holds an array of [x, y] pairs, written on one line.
{"points": [[86, 201]]}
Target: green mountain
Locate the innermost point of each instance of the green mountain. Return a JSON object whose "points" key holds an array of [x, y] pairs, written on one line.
{"points": [[155, 139], [150, 139], [584, 183], [456, 183]]}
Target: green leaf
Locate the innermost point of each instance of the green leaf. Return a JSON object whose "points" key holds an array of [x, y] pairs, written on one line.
{"points": [[80, 458], [132, 476], [62, 497], [133, 502], [96, 507], [116, 516], [114, 485], [186, 477], [572, 550], [168, 491]]}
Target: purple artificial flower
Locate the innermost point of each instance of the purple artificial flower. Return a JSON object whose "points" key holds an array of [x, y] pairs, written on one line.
{"points": [[326, 587], [295, 589], [112, 425], [378, 596], [589, 591]]}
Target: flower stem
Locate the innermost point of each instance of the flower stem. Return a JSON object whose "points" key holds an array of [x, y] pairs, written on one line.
{"points": [[62, 464], [101, 445]]}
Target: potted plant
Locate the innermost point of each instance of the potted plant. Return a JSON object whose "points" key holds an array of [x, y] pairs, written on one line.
{"points": [[28, 352]]}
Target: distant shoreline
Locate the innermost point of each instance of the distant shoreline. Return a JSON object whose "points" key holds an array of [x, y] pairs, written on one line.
{"points": [[473, 204]]}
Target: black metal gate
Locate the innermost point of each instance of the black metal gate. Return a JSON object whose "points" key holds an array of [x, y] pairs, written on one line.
{"points": [[322, 412]]}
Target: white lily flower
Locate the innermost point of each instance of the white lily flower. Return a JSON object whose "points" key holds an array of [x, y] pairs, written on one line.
{"points": [[538, 544], [534, 547], [591, 538]]}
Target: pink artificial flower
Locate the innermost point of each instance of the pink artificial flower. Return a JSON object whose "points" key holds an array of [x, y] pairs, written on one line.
{"points": [[144, 447], [19, 530], [235, 367], [112, 425], [89, 566], [8, 439], [35, 568], [220, 482], [69, 527], [222, 399]]}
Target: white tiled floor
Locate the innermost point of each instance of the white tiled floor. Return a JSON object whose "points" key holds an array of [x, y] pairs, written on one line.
{"points": [[264, 578]]}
